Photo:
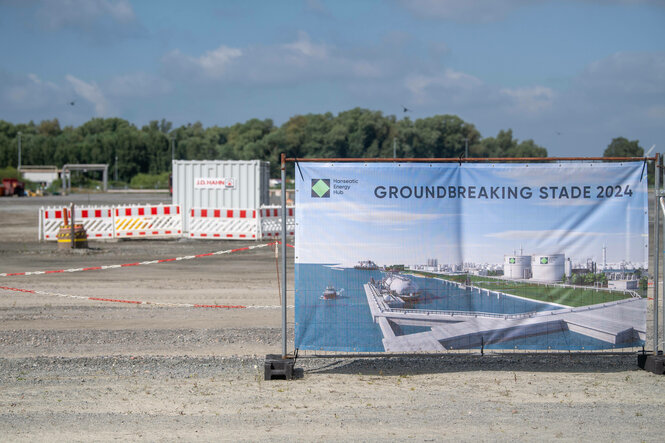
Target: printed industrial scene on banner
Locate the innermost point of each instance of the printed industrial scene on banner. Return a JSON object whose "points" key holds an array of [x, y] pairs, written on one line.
{"points": [[444, 256]]}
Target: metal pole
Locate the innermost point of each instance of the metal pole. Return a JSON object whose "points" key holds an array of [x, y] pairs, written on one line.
{"points": [[172, 150], [19, 150], [656, 280], [660, 162], [659, 202], [394, 147], [116, 168], [466, 147], [72, 230], [283, 256]]}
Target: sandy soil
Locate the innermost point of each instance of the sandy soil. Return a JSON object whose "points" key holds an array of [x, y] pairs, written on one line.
{"points": [[74, 369]]}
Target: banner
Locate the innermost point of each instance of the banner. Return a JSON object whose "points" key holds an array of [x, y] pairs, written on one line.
{"points": [[434, 257]]}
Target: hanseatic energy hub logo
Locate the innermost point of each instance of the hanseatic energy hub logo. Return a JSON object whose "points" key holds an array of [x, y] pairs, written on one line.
{"points": [[320, 188]]}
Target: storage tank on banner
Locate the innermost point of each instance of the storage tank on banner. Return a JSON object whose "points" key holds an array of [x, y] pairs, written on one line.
{"points": [[217, 184], [517, 266], [548, 267]]}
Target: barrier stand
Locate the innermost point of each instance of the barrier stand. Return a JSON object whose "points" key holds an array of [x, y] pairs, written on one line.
{"points": [[655, 361], [277, 366]]}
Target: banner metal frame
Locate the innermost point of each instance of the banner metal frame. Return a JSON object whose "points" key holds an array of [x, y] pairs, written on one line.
{"points": [[659, 198]]}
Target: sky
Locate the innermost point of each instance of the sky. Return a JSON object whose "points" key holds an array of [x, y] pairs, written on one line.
{"points": [[569, 74], [360, 217]]}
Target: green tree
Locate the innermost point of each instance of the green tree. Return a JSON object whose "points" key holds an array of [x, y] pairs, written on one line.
{"points": [[504, 145], [621, 147]]}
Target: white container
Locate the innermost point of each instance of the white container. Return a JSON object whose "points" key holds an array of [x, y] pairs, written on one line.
{"points": [[549, 268], [220, 184], [517, 266]]}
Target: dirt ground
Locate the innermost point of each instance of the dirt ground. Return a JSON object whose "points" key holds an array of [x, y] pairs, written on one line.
{"points": [[79, 370]]}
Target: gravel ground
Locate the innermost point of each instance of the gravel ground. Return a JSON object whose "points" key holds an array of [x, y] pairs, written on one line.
{"points": [[81, 370]]}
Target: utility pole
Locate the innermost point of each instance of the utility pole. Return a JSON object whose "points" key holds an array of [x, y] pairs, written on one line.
{"points": [[466, 147], [394, 147], [172, 149], [116, 168], [19, 149]]}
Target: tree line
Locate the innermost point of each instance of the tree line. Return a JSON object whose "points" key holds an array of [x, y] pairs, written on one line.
{"points": [[356, 133]]}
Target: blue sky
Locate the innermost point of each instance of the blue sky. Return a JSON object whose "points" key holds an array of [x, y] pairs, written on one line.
{"points": [[356, 225], [570, 74]]}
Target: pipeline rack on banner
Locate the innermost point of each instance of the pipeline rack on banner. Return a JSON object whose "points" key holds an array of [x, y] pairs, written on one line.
{"points": [[166, 221]]}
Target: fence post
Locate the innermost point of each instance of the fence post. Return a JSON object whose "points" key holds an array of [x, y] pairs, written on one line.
{"points": [[283, 238], [656, 258], [659, 206]]}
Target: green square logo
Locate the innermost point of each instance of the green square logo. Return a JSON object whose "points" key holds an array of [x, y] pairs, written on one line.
{"points": [[511, 260], [321, 188], [544, 260]]}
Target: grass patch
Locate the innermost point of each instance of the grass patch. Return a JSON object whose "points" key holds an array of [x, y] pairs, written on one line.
{"points": [[573, 297]]}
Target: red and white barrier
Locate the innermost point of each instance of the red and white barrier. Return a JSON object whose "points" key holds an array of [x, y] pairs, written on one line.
{"points": [[271, 221], [223, 223], [156, 221], [166, 221], [97, 221]]}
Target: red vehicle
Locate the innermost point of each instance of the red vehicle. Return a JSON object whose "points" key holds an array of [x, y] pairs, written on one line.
{"points": [[12, 186]]}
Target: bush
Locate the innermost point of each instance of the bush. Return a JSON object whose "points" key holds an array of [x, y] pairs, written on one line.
{"points": [[9, 172], [150, 181]]}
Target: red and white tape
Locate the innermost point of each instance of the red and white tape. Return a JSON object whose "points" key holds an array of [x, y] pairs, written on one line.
{"points": [[137, 302], [125, 265]]}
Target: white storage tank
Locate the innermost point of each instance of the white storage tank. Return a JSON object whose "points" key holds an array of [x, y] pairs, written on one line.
{"points": [[548, 267], [233, 184], [517, 266]]}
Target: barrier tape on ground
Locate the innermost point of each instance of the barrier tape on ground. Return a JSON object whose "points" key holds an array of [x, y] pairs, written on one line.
{"points": [[271, 221], [223, 223], [125, 265], [156, 221], [137, 302]]}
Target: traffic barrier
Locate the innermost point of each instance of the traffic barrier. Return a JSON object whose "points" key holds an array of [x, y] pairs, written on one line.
{"points": [[97, 221], [155, 221], [271, 221], [239, 224], [166, 221]]}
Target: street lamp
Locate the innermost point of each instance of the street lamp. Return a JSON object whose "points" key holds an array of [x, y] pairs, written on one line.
{"points": [[19, 150]]}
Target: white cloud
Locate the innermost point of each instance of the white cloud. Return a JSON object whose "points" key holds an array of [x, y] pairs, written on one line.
{"points": [[429, 88], [304, 46], [294, 62], [628, 75], [470, 11], [381, 215], [90, 92], [212, 64], [28, 92], [544, 234], [139, 84], [656, 112], [83, 13], [529, 100], [486, 11]]}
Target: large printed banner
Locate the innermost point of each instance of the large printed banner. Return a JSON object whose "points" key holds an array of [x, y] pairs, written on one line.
{"points": [[435, 257]]}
